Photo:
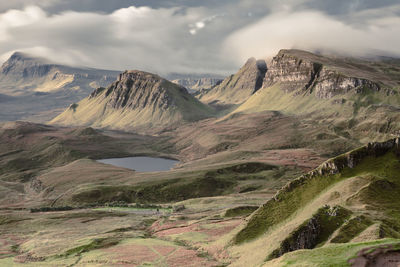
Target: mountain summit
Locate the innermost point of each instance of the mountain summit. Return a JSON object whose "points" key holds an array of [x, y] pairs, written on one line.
{"points": [[235, 89], [135, 100]]}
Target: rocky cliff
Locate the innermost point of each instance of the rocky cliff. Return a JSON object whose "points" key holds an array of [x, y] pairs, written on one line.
{"points": [[304, 72], [236, 88], [135, 100]]}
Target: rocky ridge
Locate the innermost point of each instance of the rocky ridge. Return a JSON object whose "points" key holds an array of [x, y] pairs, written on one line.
{"points": [[235, 89], [135, 99], [297, 71], [347, 160]]}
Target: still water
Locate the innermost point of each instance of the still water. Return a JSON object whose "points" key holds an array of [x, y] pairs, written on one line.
{"points": [[142, 164]]}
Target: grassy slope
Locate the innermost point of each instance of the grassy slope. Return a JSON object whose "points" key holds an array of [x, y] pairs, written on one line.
{"points": [[365, 117], [95, 185], [331, 255], [354, 189]]}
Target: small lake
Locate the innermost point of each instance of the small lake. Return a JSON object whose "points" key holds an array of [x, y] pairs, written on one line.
{"points": [[142, 164]]}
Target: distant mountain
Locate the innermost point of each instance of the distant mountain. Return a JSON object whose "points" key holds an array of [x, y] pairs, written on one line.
{"points": [[39, 87], [23, 74], [237, 88], [195, 82], [136, 100], [194, 85]]}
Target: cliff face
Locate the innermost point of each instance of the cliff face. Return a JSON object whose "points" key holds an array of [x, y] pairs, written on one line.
{"points": [[236, 88], [294, 73], [135, 100], [135, 89], [313, 74]]}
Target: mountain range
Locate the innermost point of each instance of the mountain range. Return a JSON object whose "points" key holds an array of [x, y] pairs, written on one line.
{"points": [[37, 88], [292, 161]]}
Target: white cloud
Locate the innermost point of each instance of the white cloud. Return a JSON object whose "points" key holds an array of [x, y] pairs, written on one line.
{"points": [[211, 38], [129, 38], [314, 30]]}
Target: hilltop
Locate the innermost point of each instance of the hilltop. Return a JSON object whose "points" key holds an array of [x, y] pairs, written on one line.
{"points": [[135, 100], [236, 88]]}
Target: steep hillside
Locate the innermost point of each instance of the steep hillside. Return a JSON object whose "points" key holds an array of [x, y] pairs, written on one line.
{"points": [[36, 89], [135, 100], [236, 88], [350, 198]]}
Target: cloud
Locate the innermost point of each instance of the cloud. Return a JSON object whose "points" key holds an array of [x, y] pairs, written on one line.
{"points": [[193, 36], [143, 38], [370, 32]]}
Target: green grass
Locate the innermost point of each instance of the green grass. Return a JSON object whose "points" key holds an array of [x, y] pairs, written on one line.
{"points": [[301, 191], [94, 244], [313, 232], [240, 211], [351, 229], [156, 192], [333, 255], [130, 209], [182, 186]]}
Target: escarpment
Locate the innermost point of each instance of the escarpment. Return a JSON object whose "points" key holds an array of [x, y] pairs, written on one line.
{"points": [[304, 72]]}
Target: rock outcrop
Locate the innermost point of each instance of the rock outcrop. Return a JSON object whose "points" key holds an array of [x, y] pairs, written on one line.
{"points": [[135, 100], [304, 72], [237, 88], [313, 231]]}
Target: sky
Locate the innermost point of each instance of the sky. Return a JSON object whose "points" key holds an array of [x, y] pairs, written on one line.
{"points": [[194, 36]]}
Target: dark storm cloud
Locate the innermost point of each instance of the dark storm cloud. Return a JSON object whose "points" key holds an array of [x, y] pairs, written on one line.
{"points": [[193, 36]]}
